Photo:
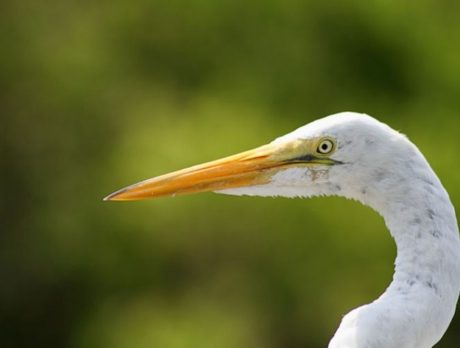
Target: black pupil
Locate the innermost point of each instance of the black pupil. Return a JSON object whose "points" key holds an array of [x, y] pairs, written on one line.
{"points": [[324, 146]]}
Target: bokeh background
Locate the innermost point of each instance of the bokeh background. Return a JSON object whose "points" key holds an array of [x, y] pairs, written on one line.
{"points": [[95, 95]]}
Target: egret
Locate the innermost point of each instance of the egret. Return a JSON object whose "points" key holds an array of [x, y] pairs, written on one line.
{"points": [[357, 157]]}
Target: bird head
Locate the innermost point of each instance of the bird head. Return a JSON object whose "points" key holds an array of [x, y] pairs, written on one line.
{"points": [[330, 156]]}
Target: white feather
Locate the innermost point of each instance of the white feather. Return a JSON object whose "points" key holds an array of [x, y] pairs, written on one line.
{"points": [[383, 169]]}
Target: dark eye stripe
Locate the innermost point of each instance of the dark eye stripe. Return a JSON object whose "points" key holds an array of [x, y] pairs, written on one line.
{"points": [[304, 158]]}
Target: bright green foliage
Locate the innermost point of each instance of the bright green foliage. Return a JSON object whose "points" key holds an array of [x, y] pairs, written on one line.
{"points": [[95, 95]]}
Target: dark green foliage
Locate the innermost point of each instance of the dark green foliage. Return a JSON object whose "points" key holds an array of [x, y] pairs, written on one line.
{"points": [[98, 95]]}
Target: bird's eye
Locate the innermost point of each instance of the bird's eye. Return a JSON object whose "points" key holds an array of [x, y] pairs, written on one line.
{"points": [[325, 146]]}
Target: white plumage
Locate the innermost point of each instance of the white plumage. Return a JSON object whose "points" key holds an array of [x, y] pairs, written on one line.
{"points": [[371, 163], [384, 170]]}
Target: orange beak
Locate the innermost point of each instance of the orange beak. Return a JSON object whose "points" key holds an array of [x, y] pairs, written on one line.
{"points": [[250, 168], [244, 169]]}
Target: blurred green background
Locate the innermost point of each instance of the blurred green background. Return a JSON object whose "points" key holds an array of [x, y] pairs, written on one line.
{"points": [[95, 95]]}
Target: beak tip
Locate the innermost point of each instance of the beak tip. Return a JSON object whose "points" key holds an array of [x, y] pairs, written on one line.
{"points": [[113, 196], [108, 198]]}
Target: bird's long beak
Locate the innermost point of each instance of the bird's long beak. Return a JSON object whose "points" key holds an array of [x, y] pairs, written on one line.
{"points": [[254, 167]]}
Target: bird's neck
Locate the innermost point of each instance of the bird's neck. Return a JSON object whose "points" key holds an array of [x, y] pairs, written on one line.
{"points": [[420, 302], [423, 224], [426, 281]]}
